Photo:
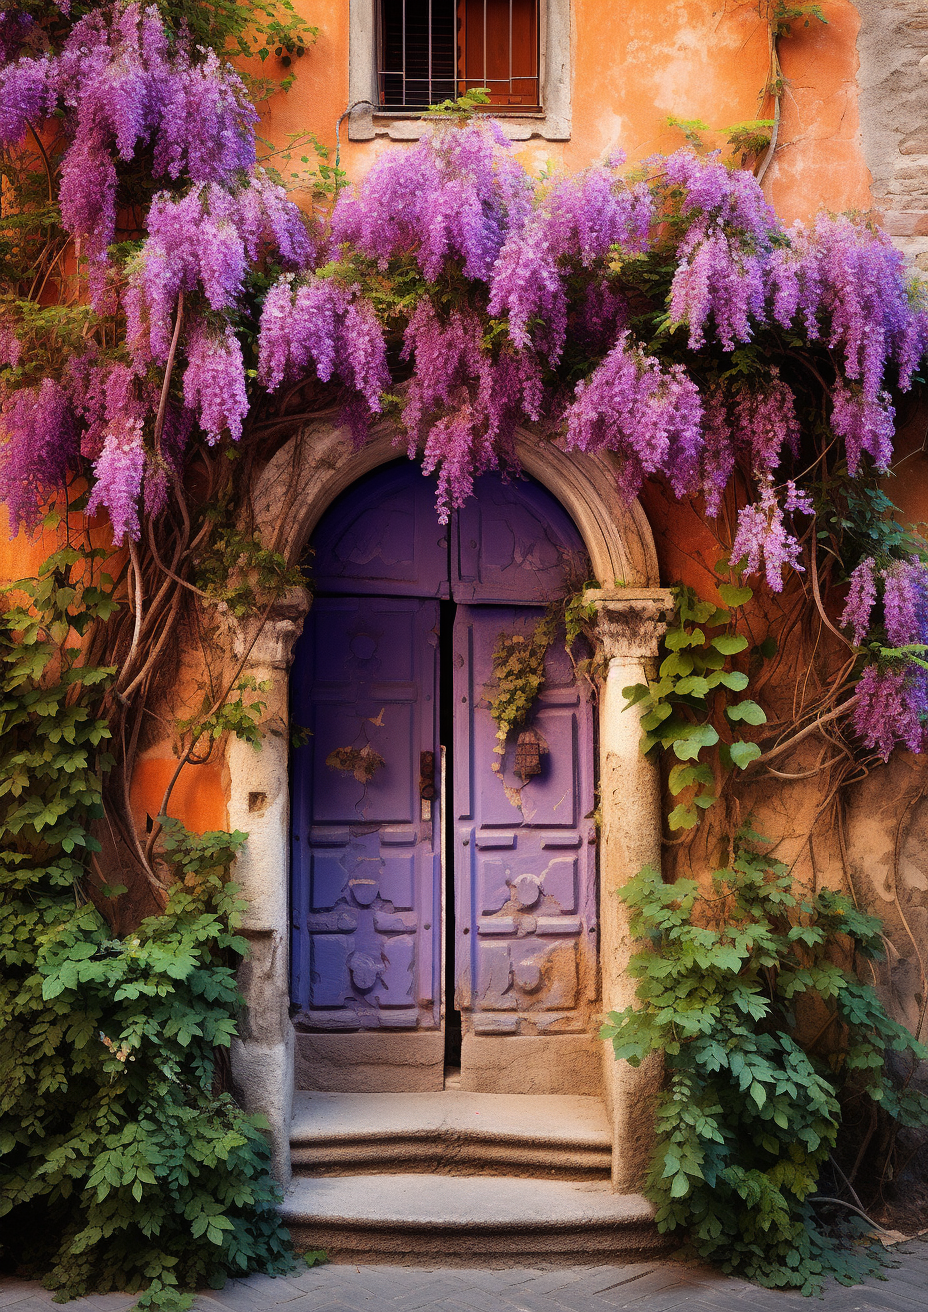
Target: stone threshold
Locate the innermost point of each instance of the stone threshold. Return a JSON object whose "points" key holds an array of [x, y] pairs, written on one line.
{"points": [[453, 1132], [477, 1215]]}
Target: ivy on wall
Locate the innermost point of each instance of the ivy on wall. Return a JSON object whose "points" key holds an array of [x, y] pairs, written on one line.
{"points": [[745, 988], [122, 1164], [169, 316]]}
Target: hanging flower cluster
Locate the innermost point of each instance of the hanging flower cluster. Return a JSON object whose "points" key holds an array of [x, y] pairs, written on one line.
{"points": [[640, 315], [892, 696], [463, 405], [451, 197], [120, 86], [123, 87]]}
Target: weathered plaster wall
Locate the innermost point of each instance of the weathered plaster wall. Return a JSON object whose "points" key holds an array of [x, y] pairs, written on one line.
{"points": [[634, 63], [893, 98], [818, 163], [637, 62]]}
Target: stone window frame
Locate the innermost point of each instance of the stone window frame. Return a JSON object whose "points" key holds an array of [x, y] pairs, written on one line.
{"points": [[552, 123]]}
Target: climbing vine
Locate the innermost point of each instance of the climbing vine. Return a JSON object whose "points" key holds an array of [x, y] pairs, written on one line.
{"points": [[748, 991], [695, 678], [169, 317], [123, 1162], [519, 664], [518, 678]]}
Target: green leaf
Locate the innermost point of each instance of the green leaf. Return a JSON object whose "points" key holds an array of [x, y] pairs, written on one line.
{"points": [[729, 644], [742, 753], [680, 1186], [315, 1258], [682, 776], [748, 711], [693, 686], [734, 596], [736, 680], [656, 716], [635, 694], [682, 817], [688, 745]]}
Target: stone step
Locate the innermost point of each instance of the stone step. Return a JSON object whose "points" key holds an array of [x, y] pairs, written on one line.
{"points": [[451, 1132], [471, 1216]]}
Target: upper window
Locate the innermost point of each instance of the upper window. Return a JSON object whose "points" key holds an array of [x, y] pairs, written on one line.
{"points": [[432, 50]]}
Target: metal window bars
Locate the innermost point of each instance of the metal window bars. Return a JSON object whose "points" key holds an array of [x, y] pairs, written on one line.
{"points": [[432, 50]]}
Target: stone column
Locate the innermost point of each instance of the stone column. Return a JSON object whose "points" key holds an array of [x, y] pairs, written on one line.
{"points": [[630, 624], [259, 804]]}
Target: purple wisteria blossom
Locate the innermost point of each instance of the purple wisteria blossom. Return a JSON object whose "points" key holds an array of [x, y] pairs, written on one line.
{"points": [[794, 281], [453, 196], [123, 87], [463, 403], [718, 278], [205, 241], [766, 422], [578, 222], [717, 459], [100, 394], [40, 450], [891, 707], [26, 95], [118, 470], [867, 423], [214, 381], [861, 598], [650, 416], [713, 196], [865, 296], [905, 602], [763, 541], [328, 327], [11, 348]]}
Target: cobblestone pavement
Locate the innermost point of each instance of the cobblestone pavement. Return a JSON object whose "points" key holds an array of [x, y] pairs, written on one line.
{"points": [[665, 1286]]}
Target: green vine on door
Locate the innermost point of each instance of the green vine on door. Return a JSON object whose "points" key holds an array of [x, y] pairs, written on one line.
{"points": [[519, 664]]}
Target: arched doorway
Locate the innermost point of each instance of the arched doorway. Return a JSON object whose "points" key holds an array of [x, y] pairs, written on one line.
{"points": [[289, 497], [443, 912]]}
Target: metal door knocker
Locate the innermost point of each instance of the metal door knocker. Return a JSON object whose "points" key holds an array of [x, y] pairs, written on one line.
{"points": [[530, 748]]}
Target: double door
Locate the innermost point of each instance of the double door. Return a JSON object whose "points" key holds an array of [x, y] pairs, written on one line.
{"points": [[371, 848]]}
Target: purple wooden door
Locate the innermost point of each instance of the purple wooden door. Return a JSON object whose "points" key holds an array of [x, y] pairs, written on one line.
{"points": [[367, 891], [524, 852], [367, 888]]}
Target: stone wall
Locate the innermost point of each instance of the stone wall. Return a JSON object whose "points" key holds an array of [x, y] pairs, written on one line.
{"points": [[893, 101]]}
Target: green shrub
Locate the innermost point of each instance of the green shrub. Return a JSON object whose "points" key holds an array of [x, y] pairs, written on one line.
{"points": [[121, 1166], [761, 1029]]}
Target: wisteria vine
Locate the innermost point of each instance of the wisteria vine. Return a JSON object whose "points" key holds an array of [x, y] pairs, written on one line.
{"points": [[662, 314]]}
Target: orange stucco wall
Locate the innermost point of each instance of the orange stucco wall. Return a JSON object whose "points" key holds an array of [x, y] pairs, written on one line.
{"points": [[634, 63]]}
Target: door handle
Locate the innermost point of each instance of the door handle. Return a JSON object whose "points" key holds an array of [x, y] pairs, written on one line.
{"points": [[427, 776]]}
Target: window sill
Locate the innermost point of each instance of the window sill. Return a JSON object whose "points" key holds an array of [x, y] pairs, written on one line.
{"points": [[365, 124]]}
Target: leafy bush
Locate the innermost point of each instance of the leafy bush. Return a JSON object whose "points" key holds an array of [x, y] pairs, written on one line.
{"points": [[121, 1166], [761, 1027]]}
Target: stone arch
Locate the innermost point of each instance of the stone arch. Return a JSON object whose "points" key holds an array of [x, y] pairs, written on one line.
{"points": [[290, 495], [306, 475]]}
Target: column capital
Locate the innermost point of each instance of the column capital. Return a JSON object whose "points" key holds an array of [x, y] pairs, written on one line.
{"points": [[630, 621], [271, 644]]}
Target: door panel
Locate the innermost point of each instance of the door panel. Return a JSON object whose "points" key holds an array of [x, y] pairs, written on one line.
{"points": [[383, 536], [514, 543], [524, 851], [367, 882]]}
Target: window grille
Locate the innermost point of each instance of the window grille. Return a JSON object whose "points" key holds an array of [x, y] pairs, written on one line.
{"points": [[432, 50]]}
